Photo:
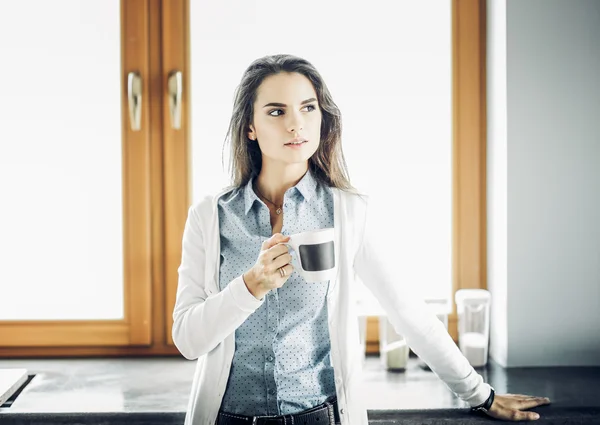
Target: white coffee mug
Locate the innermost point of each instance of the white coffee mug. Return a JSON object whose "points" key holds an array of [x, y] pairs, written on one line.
{"points": [[315, 253]]}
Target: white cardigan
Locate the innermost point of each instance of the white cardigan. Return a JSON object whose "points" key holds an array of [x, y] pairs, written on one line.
{"points": [[205, 318]]}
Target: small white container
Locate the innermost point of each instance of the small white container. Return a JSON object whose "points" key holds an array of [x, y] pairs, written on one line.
{"points": [[473, 308], [393, 351]]}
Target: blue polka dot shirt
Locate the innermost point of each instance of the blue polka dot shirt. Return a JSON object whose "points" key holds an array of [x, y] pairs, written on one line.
{"points": [[282, 362]]}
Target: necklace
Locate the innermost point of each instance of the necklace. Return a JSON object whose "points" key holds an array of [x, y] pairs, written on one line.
{"points": [[278, 209]]}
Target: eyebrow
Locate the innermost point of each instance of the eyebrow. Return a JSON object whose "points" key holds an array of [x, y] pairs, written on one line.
{"points": [[283, 105]]}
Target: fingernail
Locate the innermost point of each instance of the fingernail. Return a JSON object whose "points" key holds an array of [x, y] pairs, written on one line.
{"points": [[536, 416]]}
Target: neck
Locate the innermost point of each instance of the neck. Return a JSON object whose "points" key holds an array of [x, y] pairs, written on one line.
{"points": [[273, 181]]}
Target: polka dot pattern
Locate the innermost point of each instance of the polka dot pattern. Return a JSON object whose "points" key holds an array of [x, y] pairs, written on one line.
{"points": [[282, 361]]}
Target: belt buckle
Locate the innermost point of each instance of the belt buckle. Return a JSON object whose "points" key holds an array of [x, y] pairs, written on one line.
{"points": [[264, 419], [330, 412]]}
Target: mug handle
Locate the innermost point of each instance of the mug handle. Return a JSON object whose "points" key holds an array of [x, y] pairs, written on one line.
{"points": [[295, 247]]}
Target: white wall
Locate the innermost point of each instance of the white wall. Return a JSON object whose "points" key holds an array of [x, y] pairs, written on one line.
{"points": [[551, 159]]}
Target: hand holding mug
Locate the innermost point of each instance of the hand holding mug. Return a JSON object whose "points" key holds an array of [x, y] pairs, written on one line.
{"points": [[272, 268]]}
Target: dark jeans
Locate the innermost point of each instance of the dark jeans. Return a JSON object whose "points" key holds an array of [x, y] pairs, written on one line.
{"points": [[324, 414]]}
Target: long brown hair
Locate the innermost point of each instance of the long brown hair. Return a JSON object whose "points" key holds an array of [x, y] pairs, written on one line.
{"points": [[327, 164]]}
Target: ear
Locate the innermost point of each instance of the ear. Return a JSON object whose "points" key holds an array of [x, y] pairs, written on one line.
{"points": [[252, 133]]}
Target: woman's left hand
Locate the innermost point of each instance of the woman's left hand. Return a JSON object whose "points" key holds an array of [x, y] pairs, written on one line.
{"points": [[510, 407]]}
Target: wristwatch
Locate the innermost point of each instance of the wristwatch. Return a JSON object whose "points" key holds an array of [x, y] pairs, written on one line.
{"points": [[485, 406]]}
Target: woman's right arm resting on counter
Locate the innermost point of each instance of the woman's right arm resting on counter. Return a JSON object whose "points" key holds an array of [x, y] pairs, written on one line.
{"points": [[200, 321]]}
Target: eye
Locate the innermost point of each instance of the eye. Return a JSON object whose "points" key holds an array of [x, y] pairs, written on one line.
{"points": [[280, 111]]}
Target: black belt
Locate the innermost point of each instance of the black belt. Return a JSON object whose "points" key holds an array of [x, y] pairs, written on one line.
{"points": [[324, 414]]}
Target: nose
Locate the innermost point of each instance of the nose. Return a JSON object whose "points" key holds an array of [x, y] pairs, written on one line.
{"points": [[296, 123]]}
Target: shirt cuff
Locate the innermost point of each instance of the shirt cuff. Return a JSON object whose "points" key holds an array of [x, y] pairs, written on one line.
{"points": [[242, 296], [481, 395]]}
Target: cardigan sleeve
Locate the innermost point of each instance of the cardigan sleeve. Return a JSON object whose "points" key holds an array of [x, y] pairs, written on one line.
{"points": [[200, 321], [375, 263]]}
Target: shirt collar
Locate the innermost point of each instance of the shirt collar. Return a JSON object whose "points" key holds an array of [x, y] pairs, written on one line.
{"points": [[249, 196], [307, 187]]}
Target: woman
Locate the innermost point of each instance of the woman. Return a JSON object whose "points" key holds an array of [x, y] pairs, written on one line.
{"points": [[268, 343]]}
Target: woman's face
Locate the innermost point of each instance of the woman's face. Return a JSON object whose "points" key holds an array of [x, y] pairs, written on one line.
{"points": [[286, 107]]}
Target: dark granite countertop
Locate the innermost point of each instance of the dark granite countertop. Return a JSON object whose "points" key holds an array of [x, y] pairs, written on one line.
{"points": [[156, 391]]}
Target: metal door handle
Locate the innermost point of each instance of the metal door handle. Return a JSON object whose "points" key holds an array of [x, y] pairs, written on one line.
{"points": [[175, 83], [134, 94]]}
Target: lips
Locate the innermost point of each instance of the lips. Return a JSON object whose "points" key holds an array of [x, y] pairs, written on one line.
{"points": [[296, 141]]}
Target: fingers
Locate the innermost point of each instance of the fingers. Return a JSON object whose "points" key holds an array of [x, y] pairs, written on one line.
{"points": [[275, 257], [518, 397], [274, 240], [531, 403], [521, 401], [518, 415], [525, 396], [512, 414], [275, 251], [288, 271], [511, 407], [282, 260]]}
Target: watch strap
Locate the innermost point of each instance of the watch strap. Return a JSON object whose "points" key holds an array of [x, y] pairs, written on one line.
{"points": [[486, 405]]}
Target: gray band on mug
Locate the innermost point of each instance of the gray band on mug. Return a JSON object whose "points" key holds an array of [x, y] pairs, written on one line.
{"points": [[317, 257]]}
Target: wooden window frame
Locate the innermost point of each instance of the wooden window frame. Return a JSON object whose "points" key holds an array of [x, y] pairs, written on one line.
{"points": [[469, 149], [157, 34]]}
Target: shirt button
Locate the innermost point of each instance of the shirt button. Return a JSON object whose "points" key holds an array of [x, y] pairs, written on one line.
{"points": [[341, 411], [270, 358], [272, 328], [271, 392]]}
